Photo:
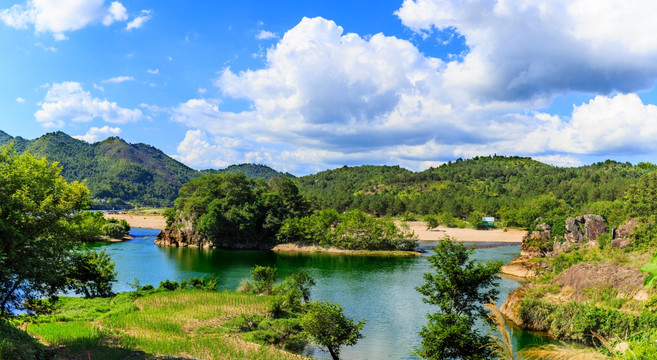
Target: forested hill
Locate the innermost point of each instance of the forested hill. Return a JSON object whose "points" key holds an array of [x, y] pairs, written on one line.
{"points": [[252, 171], [119, 173], [515, 189]]}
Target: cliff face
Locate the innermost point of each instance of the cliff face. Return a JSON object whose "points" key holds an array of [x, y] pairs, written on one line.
{"points": [[183, 235]]}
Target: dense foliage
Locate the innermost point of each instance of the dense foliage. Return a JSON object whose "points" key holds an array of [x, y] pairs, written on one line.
{"points": [[352, 230], [119, 174], [231, 209], [515, 190], [36, 250], [459, 287]]}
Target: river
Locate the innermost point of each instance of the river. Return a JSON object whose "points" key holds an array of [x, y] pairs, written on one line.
{"points": [[379, 289]]}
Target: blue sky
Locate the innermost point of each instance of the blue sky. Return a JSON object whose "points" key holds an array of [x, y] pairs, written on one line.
{"points": [[303, 86]]}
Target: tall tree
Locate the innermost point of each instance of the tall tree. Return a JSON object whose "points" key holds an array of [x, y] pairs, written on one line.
{"points": [[36, 207], [460, 287]]}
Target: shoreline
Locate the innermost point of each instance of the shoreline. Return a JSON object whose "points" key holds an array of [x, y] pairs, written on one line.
{"points": [[465, 235], [298, 248], [499, 236], [157, 222]]}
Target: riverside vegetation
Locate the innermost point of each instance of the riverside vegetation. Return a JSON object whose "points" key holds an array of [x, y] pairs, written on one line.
{"points": [[232, 211], [39, 230], [597, 291]]}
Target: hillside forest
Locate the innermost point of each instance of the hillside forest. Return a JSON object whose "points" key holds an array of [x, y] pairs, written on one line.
{"points": [[515, 190]]}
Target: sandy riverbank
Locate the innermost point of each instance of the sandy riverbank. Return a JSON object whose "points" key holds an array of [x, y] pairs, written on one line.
{"points": [[141, 221], [419, 227], [495, 235]]}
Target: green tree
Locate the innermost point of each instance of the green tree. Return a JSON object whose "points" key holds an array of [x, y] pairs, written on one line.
{"points": [[326, 325], [92, 273], [35, 207], [459, 287], [263, 279], [432, 221], [113, 230]]}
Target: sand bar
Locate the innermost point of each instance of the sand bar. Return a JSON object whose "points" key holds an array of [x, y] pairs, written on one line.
{"points": [[495, 235], [141, 221]]}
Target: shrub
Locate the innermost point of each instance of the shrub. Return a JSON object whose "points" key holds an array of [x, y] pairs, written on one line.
{"points": [[113, 230]]}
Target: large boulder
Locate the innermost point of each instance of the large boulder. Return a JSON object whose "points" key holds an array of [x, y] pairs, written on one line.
{"points": [[585, 228], [621, 236], [575, 280]]}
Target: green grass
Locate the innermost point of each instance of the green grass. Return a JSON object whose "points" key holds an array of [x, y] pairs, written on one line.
{"points": [[187, 323]]}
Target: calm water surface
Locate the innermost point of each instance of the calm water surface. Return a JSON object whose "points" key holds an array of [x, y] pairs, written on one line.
{"points": [[379, 289]]}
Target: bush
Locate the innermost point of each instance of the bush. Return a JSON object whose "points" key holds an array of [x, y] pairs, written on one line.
{"points": [[113, 230], [432, 221], [168, 285]]}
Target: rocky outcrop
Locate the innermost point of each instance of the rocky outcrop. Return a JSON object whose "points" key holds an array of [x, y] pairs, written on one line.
{"points": [[531, 243], [531, 248], [621, 236], [575, 280], [573, 284], [513, 302], [583, 229], [182, 235]]}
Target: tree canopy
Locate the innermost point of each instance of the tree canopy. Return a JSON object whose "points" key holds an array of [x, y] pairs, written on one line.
{"points": [[326, 325], [36, 208], [460, 287]]}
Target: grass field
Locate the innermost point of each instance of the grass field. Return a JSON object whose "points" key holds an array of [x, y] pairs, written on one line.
{"points": [[187, 323]]}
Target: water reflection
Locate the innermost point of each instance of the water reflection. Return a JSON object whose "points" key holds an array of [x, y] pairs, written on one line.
{"points": [[380, 289]]}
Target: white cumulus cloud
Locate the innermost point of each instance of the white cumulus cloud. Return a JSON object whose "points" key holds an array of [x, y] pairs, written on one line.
{"points": [[324, 97], [95, 133], [20, 100], [68, 101], [58, 17], [533, 48]]}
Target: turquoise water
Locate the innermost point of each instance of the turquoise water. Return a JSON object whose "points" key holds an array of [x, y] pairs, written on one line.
{"points": [[379, 289]]}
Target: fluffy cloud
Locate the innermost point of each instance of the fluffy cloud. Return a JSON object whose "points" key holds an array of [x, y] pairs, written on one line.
{"points": [[198, 151], [58, 17], [139, 21], [95, 133], [532, 49], [68, 101], [604, 125], [20, 100], [325, 98]]}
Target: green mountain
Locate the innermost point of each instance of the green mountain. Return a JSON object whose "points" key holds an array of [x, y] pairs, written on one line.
{"points": [[119, 173], [516, 189], [252, 171]]}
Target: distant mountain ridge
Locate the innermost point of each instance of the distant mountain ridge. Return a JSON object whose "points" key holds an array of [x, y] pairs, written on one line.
{"points": [[119, 173]]}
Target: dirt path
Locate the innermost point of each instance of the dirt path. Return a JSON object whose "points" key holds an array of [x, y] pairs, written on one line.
{"points": [[141, 221], [495, 235]]}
